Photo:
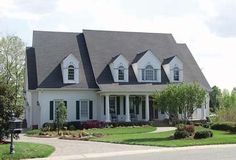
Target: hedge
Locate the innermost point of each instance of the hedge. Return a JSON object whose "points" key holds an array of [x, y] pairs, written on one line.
{"points": [[203, 134], [227, 126]]}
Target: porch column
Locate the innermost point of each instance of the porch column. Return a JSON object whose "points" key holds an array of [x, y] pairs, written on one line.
{"points": [[127, 116], [147, 107], [108, 119]]}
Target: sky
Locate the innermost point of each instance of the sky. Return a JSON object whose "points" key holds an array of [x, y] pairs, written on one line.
{"points": [[208, 27]]}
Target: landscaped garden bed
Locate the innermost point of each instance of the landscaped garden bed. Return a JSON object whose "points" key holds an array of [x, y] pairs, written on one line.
{"points": [[26, 150], [86, 134]]}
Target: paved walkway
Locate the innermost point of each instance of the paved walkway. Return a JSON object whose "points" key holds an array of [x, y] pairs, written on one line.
{"points": [[163, 129]]}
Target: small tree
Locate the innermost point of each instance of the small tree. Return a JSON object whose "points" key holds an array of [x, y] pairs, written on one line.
{"points": [[166, 101], [194, 96], [61, 116], [183, 98]]}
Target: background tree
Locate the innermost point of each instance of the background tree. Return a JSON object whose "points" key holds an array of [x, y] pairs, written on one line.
{"points": [[215, 98], [180, 98], [7, 106], [12, 51], [61, 115]]}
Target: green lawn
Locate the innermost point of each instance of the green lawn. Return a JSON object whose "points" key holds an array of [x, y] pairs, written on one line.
{"points": [[163, 139], [122, 130], [26, 150]]}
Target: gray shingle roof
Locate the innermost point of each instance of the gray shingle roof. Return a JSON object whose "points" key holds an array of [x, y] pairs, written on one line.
{"points": [[50, 49], [167, 60], [96, 49]]}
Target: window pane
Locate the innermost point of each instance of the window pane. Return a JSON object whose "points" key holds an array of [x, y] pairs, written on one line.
{"points": [[176, 74], [112, 103], [149, 74], [121, 74], [71, 74], [84, 109]]}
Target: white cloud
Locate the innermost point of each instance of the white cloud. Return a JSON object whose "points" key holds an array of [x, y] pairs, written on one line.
{"points": [[198, 23]]}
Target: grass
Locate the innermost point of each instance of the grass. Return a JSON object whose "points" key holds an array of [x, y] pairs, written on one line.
{"points": [[122, 130], [26, 150], [164, 139]]}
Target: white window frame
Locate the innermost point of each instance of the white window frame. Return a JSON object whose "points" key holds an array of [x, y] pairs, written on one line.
{"points": [[80, 101], [154, 74], [71, 67], [121, 68], [175, 70]]}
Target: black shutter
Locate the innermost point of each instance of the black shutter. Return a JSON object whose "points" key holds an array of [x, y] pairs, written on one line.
{"points": [[124, 101], [143, 110], [51, 111], [77, 109], [90, 109], [104, 106], [118, 105], [65, 103], [137, 108]]}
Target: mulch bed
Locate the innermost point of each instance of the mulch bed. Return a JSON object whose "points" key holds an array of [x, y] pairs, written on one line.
{"points": [[4, 142]]}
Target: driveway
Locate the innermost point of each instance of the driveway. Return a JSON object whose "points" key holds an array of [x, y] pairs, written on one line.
{"points": [[73, 150], [75, 147]]}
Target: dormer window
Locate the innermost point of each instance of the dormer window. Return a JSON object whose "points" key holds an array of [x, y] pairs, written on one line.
{"points": [[71, 72], [119, 68], [121, 73], [176, 73], [149, 74], [147, 67], [173, 68]]}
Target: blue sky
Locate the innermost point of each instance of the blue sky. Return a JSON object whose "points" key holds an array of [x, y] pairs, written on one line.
{"points": [[208, 27]]}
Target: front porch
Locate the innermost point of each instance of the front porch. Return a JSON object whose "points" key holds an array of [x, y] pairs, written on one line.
{"points": [[128, 108]]}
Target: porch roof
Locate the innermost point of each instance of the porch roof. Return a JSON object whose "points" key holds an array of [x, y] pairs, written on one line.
{"points": [[137, 88]]}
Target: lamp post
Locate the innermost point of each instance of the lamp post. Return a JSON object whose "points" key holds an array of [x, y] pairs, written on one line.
{"points": [[15, 128], [12, 127]]}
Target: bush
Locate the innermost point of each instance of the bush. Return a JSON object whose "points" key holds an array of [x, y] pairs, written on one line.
{"points": [[203, 134], [94, 124], [188, 128], [233, 129], [222, 126], [207, 125], [72, 127], [48, 127], [33, 132], [76, 124], [181, 134], [180, 127]]}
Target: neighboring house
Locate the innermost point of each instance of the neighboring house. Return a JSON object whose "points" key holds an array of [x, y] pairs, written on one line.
{"points": [[105, 75]]}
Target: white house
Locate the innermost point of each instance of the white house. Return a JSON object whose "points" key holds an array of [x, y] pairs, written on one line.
{"points": [[105, 75]]}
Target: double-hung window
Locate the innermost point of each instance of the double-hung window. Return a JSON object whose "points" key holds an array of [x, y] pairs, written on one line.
{"points": [[84, 109], [121, 73], [176, 74], [71, 72], [149, 74]]}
